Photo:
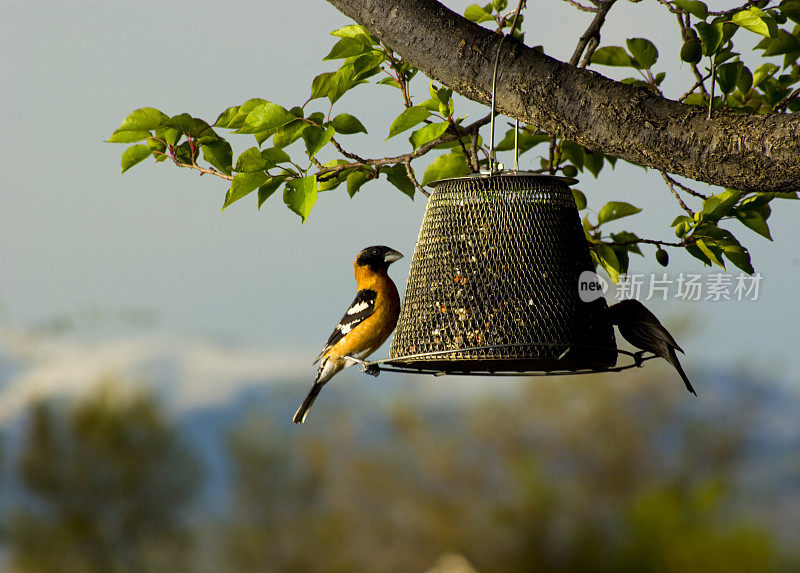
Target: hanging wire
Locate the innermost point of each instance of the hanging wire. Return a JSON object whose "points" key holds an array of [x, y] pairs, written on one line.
{"points": [[492, 153]]}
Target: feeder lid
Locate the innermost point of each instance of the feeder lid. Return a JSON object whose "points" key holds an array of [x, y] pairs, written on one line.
{"points": [[487, 175]]}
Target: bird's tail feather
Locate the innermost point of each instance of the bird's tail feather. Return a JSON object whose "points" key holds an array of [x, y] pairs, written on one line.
{"points": [[674, 360], [302, 411]]}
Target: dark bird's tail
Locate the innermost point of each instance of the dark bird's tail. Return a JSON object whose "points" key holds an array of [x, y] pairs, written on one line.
{"points": [[673, 359], [302, 411]]}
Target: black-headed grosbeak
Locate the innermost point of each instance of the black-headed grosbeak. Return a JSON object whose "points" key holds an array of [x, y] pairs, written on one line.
{"points": [[366, 325], [641, 328]]}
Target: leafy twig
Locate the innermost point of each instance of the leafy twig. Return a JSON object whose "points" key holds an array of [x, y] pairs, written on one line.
{"points": [[647, 242], [689, 190], [580, 6], [410, 173], [347, 154], [593, 31], [422, 150], [668, 180]]}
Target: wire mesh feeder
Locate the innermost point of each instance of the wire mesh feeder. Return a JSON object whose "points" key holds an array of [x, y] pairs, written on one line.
{"points": [[493, 285]]}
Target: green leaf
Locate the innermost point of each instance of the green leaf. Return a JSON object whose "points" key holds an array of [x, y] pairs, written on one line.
{"points": [[367, 65], [593, 162], [526, 140], [316, 138], [718, 206], [354, 31], [740, 257], [607, 259], [446, 166], [321, 85], [727, 75], [250, 160], [266, 117], [783, 43], [397, 176], [475, 13], [643, 51], [133, 155], [158, 149], [226, 116], [289, 133], [187, 124], [268, 188], [711, 254], [427, 134], [754, 220], [682, 224], [243, 111], [168, 135], [272, 156], [346, 48], [572, 152], [791, 9], [128, 136], [242, 185], [710, 36], [580, 199], [355, 180], [219, 154], [300, 195], [347, 124], [408, 119], [744, 81], [697, 254], [763, 72], [612, 56], [755, 20], [694, 7], [630, 238], [143, 119], [342, 80], [615, 210]]}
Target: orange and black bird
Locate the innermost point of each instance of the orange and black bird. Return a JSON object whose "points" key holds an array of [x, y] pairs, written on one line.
{"points": [[366, 325], [641, 328]]}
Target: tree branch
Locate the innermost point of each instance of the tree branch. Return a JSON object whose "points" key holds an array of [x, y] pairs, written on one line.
{"points": [[745, 152], [593, 31]]}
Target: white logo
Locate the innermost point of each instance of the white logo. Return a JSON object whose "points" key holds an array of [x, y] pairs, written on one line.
{"points": [[591, 286]]}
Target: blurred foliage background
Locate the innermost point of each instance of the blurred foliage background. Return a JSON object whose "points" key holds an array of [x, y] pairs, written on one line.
{"points": [[597, 473]]}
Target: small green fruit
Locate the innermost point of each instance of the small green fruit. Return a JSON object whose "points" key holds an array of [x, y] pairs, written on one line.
{"points": [[569, 171], [692, 51], [662, 257]]}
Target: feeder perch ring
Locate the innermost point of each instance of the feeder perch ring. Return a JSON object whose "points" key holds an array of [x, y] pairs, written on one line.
{"points": [[401, 364]]}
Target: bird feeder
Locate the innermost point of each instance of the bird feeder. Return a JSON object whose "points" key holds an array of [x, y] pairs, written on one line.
{"points": [[494, 282]]}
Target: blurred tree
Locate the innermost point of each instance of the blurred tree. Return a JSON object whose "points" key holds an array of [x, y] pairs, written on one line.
{"points": [[107, 482], [592, 475]]}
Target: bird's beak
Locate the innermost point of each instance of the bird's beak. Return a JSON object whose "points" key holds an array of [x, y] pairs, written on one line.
{"points": [[392, 256]]}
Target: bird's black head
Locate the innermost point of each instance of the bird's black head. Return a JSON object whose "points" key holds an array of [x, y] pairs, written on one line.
{"points": [[377, 258], [627, 311]]}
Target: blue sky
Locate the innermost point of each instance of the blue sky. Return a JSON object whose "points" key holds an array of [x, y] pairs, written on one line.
{"points": [[77, 236]]}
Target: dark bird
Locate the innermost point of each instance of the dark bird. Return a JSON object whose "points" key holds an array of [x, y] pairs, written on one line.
{"points": [[366, 325], [641, 328]]}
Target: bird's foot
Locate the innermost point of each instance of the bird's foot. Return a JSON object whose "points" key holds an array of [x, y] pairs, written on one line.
{"points": [[364, 366], [637, 358]]}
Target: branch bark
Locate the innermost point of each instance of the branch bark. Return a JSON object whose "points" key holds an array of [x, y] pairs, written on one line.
{"points": [[745, 152]]}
